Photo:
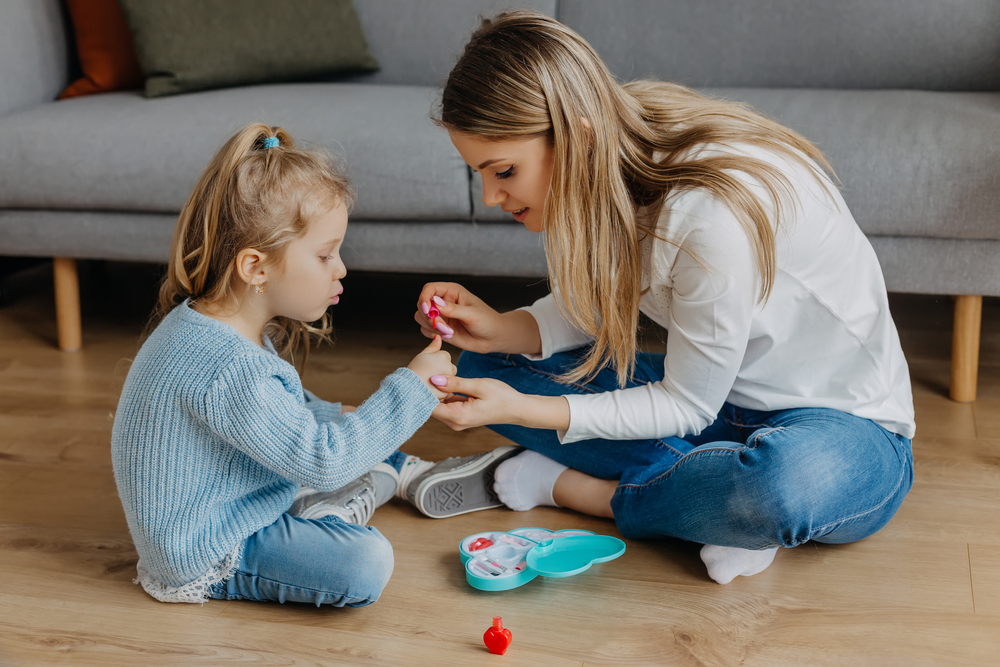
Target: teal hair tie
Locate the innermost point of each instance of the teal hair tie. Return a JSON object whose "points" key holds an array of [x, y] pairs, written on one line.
{"points": [[270, 142]]}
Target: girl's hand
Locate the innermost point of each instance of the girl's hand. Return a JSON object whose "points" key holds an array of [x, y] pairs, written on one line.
{"points": [[433, 361], [467, 322], [344, 409], [488, 401]]}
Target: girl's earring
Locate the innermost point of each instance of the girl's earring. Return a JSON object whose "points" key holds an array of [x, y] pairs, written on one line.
{"points": [[259, 288]]}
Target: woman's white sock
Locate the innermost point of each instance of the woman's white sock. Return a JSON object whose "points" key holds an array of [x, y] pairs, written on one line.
{"points": [[526, 480], [727, 563]]}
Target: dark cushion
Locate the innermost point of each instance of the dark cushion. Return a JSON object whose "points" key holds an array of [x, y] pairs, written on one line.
{"points": [[120, 151], [187, 45]]}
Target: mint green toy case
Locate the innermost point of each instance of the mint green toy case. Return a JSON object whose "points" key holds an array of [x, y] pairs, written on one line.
{"points": [[498, 561]]}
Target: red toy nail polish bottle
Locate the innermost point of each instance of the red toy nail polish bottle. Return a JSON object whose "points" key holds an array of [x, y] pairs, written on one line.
{"points": [[497, 637]]}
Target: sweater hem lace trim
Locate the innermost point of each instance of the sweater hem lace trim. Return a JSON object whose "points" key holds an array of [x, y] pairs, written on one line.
{"points": [[194, 592]]}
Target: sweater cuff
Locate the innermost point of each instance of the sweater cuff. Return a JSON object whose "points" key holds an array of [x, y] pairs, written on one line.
{"points": [[416, 390]]}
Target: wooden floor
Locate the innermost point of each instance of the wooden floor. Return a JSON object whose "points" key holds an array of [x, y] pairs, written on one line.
{"points": [[923, 591]]}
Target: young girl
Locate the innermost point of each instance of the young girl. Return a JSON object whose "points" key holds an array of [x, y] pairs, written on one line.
{"points": [[236, 482], [781, 411]]}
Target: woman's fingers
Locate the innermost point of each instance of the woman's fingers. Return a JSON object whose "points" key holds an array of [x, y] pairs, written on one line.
{"points": [[454, 413], [447, 292]]}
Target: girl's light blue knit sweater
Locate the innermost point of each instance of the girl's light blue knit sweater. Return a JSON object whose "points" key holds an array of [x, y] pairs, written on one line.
{"points": [[214, 435]]}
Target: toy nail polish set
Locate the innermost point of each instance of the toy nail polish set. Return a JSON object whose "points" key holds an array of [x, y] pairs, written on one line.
{"points": [[496, 561]]}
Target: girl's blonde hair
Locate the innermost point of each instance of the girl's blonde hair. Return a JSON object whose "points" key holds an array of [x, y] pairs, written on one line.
{"points": [[259, 191], [523, 73]]}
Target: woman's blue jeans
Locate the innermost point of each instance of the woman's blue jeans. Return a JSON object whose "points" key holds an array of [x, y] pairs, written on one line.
{"points": [[319, 561], [751, 479]]}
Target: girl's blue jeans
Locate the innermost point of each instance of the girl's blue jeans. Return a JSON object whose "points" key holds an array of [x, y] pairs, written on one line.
{"points": [[751, 479], [319, 561]]}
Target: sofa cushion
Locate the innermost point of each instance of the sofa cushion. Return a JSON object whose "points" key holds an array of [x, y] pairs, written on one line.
{"points": [[911, 163], [187, 45], [120, 151], [417, 43], [919, 44]]}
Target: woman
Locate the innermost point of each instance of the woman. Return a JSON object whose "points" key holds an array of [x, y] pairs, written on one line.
{"points": [[781, 411]]}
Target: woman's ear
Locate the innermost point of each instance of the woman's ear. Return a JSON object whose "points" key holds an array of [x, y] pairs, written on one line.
{"points": [[250, 266]]}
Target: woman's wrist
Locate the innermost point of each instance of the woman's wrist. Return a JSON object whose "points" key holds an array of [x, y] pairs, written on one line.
{"points": [[547, 412], [521, 334]]}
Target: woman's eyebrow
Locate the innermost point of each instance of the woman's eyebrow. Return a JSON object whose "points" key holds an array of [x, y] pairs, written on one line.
{"points": [[489, 162]]}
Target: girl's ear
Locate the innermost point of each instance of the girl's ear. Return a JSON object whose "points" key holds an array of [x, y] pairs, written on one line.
{"points": [[250, 266]]}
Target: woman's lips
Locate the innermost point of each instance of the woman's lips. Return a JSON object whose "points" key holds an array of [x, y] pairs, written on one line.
{"points": [[521, 214]]}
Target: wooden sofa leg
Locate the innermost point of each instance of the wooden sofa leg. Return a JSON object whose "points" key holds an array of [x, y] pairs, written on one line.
{"points": [[67, 304], [965, 348]]}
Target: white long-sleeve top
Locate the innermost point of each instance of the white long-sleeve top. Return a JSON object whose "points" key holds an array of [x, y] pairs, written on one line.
{"points": [[824, 337]]}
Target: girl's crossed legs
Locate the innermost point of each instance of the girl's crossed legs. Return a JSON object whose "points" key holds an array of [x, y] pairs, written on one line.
{"points": [[750, 480], [319, 561]]}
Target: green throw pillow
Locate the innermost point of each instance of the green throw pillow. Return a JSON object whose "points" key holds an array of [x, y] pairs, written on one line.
{"points": [[187, 45]]}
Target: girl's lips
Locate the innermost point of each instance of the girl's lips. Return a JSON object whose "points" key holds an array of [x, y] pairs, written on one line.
{"points": [[335, 299], [521, 215]]}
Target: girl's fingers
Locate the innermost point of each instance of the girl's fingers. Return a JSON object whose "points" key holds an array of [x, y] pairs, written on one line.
{"points": [[435, 345]]}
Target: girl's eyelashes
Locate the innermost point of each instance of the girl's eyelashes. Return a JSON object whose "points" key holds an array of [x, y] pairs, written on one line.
{"points": [[506, 174]]}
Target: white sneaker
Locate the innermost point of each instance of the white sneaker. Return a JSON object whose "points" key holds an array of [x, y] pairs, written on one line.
{"points": [[354, 502]]}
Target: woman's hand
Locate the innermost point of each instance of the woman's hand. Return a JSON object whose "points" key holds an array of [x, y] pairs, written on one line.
{"points": [[467, 322], [488, 401], [344, 409], [433, 362]]}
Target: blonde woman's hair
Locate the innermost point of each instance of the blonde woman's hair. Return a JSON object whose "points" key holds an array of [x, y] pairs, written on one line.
{"points": [[522, 74], [259, 191]]}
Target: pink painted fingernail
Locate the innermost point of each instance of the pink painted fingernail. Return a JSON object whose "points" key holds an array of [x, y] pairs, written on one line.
{"points": [[439, 380], [425, 308], [438, 300], [445, 329]]}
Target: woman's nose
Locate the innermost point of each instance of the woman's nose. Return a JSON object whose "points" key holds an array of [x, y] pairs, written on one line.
{"points": [[493, 194]]}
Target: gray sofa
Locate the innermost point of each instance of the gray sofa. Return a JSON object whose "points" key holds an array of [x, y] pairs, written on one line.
{"points": [[902, 95]]}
